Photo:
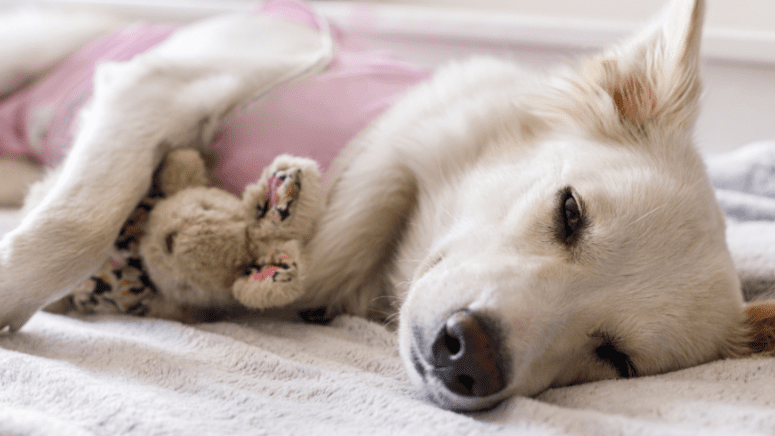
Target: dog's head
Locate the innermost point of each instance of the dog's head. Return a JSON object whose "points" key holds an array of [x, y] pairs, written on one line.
{"points": [[593, 249]]}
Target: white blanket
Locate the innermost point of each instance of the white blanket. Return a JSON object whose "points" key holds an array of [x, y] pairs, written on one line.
{"points": [[745, 186], [118, 375]]}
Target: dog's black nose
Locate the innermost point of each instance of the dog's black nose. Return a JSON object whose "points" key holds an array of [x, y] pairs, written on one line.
{"points": [[466, 355]]}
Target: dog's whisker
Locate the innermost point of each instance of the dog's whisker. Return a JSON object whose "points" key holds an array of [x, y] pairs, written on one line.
{"points": [[439, 167], [386, 297], [648, 213], [411, 260], [403, 283], [393, 317]]}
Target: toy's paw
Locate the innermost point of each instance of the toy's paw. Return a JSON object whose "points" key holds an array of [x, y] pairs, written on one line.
{"points": [[121, 290], [272, 281], [262, 293], [280, 269], [285, 200], [282, 192]]}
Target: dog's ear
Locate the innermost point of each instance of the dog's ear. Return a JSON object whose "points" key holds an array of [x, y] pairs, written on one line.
{"points": [[654, 76], [761, 321]]}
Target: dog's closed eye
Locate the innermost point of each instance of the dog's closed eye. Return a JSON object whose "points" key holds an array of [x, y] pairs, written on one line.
{"points": [[570, 216], [609, 351]]}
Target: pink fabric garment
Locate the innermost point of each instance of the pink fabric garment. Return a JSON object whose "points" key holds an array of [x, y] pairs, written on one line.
{"points": [[314, 117], [38, 122]]}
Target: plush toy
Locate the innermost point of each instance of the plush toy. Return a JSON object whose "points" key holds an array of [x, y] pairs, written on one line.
{"points": [[188, 250]]}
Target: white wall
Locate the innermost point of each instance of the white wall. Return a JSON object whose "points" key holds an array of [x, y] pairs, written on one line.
{"points": [[739, 63], [752, 15]]}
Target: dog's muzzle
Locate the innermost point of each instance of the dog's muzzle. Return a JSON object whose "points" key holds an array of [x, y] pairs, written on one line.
{"points": [[465, 357]]}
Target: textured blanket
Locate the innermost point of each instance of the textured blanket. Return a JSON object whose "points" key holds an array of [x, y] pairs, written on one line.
{"points": [[118, 375], [745, 186]]}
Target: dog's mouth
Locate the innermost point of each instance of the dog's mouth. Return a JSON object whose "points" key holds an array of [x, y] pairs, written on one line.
{"points": [[462, 369]]}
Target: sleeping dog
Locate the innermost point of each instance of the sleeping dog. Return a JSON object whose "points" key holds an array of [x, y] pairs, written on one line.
{"points": [[532, 230]]}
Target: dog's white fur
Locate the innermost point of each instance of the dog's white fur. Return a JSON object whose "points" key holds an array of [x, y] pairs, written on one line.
{"points": [[449, 201]]}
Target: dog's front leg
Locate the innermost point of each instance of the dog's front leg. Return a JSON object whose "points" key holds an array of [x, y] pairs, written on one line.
{"points": [[171, 96], [67, 234], [364, 216], [33, 40]]}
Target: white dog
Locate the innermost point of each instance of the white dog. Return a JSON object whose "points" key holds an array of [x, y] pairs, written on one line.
{"points": [[532, 230]]}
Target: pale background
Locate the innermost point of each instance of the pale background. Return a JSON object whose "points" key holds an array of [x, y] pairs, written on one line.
{"points": [[738, 45], [738, 48], [743, 14]]}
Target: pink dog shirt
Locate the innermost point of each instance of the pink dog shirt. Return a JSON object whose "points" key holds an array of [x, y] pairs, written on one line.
{"points": [[314, 117]]}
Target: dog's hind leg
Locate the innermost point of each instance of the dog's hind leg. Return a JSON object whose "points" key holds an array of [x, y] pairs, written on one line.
{"points": [[33, 40], [366, 212], [173, 95]]}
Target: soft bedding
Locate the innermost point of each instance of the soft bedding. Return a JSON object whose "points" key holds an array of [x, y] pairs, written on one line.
{"points": [[119, 375]]}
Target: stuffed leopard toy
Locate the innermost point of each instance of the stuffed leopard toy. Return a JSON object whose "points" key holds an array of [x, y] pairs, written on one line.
{"points": [[189, 251]]}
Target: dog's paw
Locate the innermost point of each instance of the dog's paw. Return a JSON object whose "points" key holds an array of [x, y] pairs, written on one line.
{"points": [[18, 303], [24, 286], [14, 316]]}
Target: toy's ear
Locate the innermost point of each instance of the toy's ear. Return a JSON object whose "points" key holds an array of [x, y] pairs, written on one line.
{"points": [[274, 280], [182, 168], [285, 200]]}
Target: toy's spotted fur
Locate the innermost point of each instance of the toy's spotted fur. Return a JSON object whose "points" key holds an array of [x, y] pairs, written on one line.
{"points": [[121, 285], [122, 290]]}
